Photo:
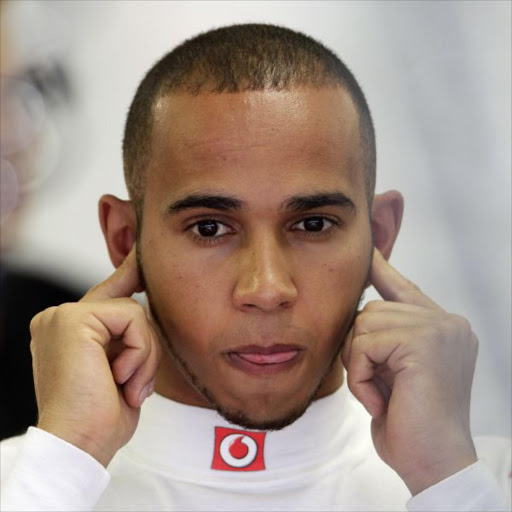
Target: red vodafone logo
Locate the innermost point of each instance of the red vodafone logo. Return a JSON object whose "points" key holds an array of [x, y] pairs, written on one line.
{"points": [[238, 450]]}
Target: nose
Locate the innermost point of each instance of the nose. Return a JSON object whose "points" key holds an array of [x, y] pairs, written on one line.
{"points": [[264, 280]]}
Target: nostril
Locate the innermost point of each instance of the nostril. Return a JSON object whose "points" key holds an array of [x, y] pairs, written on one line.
{"points": [[267, 307]]}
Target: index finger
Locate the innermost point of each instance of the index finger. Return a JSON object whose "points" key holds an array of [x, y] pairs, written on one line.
{"points": [[393, 286], [123, 282]]}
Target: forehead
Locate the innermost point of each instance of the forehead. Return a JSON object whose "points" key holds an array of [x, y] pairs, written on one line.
{"points": [[299, 135]]}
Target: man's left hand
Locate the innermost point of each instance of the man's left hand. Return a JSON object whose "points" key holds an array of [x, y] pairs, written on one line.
{"points": [[411, 364]]}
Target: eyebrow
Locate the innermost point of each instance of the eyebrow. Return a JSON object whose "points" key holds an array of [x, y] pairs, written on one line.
{"points": [[228, 203], [213, 201], [309, 202]]}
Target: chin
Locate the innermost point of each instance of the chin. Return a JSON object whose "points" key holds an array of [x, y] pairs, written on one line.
{"points": [[252, 421], [263, 412]]}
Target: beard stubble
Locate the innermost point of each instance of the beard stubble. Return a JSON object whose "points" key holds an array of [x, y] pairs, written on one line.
{"points": [[240, 417]]}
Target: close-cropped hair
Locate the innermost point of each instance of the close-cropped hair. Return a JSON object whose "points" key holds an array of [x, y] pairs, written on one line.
{"points": [[232, 59]]}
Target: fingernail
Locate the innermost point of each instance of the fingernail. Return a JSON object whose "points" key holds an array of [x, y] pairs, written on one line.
{"points": [[148, 389], [151, 387]]}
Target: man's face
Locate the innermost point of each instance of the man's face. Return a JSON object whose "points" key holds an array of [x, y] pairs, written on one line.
{"points": [[255, 247]]}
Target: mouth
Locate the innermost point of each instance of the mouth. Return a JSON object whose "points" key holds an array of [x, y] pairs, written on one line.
{"points": [[258, 360]]}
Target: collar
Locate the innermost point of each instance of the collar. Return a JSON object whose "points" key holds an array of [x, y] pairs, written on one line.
{"points": [[178, 438]]}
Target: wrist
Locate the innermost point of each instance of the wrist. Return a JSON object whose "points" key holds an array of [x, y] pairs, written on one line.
{"points": [[73, 435], [428, 474]]}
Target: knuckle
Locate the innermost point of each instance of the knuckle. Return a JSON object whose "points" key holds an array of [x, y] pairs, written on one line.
{"points": [[461, 323], [138, 307], [34, 323], [130, 301], [358, 344], [64, 310], [40, 317], [373, 305], [138, 312], [458, 325], [361, 326], [135, 308]]}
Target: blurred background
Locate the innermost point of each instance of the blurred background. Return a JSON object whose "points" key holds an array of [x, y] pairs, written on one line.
{"points": [[437, 76]]}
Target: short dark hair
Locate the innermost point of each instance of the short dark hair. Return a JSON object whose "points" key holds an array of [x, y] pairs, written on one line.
{"points": [[237, 58]]}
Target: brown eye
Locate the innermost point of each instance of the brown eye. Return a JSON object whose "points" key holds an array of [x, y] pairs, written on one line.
{"points": [[207, 227], [210, 228], [314, 224]]}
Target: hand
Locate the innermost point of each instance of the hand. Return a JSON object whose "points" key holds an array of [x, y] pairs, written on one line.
{"points": [[411, 365], [94, 364]]}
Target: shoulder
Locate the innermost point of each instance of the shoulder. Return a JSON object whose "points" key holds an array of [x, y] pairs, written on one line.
{"points": [[9, 449]]}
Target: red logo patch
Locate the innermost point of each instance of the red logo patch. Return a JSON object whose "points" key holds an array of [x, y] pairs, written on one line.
{"points": [[238, 450]]}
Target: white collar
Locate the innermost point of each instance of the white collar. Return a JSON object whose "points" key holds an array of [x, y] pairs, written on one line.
{"points": [[178, 438]]}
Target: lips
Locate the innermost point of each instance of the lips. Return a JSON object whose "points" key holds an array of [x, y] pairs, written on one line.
{"points": [[264, 360], [278, 357]]}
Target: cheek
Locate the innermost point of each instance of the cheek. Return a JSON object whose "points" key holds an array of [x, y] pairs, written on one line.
{"points": [[185, 293], [348, 272], [334, 289]]}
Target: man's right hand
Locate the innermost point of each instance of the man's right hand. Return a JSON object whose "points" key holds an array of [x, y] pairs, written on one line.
{"points": [[95, 363]]}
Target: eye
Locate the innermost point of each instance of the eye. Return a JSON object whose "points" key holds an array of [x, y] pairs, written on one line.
{"points": [[210, 228], [314, 224]]}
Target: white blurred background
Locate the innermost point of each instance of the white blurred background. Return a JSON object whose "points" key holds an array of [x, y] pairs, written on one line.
{"points": [[437, 76]]}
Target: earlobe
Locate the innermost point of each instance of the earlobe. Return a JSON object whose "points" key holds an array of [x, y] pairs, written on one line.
{"points": [[118, 223], [387, 212]]}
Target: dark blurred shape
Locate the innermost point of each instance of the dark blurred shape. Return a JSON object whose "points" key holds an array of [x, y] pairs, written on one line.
{"points": [[22, 296], [35, 99]]}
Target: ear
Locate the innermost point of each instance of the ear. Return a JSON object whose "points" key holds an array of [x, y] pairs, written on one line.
{"points": [[387, 212], [118, 223]]}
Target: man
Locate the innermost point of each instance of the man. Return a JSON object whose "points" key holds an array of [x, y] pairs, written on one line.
{"points": [[253, 228]]}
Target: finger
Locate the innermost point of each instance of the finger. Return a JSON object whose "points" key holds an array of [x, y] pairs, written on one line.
{"points": [[371, 321], [131, 358], [123, 329], [124, 282], [393, 286], [383, 387], [110, 323], [141, 384], [130, 349], [378, 315], [384, 306], [126, 360], [361, 381], [374, 359]]}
